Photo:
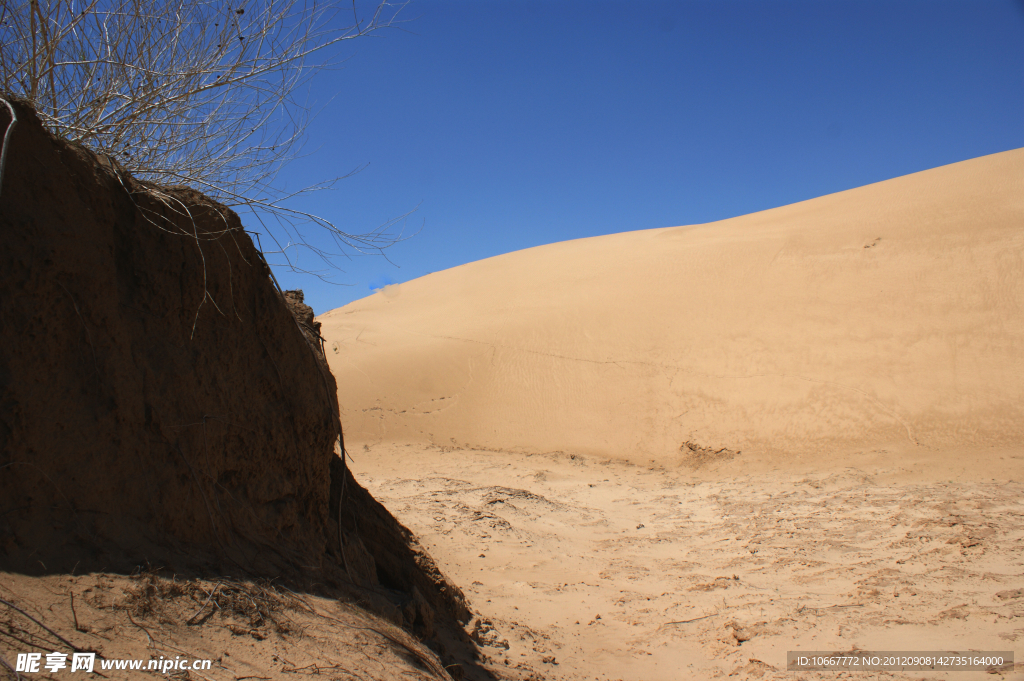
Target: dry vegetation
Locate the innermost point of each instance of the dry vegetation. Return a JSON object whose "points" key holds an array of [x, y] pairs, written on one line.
{"points": [[213, 95], [249, 628]]}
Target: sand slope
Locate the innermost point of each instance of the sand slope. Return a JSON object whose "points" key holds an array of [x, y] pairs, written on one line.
{"points": [[885, 317]]}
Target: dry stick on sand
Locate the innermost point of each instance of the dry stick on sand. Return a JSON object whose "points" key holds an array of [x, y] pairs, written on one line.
{"points": [[831, 607], [208, 599], [695, 619], [148, 635], [74, 615], [800, 609], [4, 662], [22, 641], [60, 638], [152, 642]]}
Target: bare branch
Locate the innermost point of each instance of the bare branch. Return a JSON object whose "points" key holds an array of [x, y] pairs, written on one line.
{"points": [[196, 92]]}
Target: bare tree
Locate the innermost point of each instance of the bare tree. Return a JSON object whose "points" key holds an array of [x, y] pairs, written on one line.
{"points": [[193, 92]]}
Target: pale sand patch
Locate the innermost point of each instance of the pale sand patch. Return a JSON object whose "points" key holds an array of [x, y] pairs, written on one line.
{"points": [[609, 570]]}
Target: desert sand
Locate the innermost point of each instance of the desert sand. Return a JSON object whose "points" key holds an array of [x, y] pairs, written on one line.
{"points": [[885, 316], [797, 429], [587, 569]]}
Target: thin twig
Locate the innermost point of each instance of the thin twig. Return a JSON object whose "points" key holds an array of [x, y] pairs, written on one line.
{"points": [[22, 641], [60, 638], [148, 635], [208, 599], [74, 614], [4, 662], [695, 619], [830, 607]]}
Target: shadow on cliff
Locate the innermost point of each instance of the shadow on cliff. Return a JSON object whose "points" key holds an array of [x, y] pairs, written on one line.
{"points": [[161, 406]]}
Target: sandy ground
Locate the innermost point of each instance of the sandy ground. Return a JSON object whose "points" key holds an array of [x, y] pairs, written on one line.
{"points": [[603, 569], [800, 429], [246, 629]]}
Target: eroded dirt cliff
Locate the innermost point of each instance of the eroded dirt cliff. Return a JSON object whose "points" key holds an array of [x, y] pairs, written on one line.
{"points": [[160, 407]]}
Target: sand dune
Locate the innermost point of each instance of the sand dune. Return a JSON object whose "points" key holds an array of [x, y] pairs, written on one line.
{"points": [[885, 320], [679, 453]]}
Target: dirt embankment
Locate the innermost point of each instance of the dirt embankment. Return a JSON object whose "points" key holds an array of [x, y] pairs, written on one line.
{"points": [[160, 406]]}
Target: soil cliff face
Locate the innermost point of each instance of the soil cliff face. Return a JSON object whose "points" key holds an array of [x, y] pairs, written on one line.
{"points": [[154, 389], [159, 402]]}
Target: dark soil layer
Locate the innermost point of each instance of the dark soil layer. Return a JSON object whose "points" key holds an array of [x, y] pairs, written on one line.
{"points": [[160, 405]]}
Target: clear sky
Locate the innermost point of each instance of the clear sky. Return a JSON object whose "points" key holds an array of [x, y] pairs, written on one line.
{"points": [[507, 125]]}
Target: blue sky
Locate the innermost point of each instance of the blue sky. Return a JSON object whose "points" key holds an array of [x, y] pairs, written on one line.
{"points": [[507, 125]]}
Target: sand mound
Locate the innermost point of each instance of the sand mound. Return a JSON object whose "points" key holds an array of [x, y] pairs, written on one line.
{"points": [[884, 317]]}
